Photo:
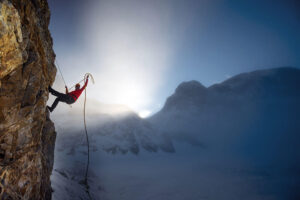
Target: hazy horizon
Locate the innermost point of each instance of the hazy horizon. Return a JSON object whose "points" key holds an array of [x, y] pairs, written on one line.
{"points": [[140, 51]]}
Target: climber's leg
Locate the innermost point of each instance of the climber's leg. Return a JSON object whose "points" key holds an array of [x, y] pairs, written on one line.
{"points": [[54, 104], [54, 92], [61, 98]]}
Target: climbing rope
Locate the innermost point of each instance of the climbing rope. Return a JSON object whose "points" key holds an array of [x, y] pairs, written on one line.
{"points": [[87, 138], [85, 181], [56, 62], [75, 84]]}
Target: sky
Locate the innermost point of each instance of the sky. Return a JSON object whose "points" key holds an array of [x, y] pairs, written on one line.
{"points": [[139, 51]]}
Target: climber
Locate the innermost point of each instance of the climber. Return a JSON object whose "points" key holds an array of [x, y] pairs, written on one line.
{"points": [[68, 98]]}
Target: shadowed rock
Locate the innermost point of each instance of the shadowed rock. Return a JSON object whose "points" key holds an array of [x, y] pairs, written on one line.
{"points": [[27, 135]]}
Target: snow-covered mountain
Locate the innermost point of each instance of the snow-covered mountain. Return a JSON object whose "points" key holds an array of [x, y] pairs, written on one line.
{"points": [[113, 133], [258, 109], [239, 138], [262, 85]]}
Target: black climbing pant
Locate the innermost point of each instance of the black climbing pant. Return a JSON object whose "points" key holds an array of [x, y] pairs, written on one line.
{"points": [[60, 97]]}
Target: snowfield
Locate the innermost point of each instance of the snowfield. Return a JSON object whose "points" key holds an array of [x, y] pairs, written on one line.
{"points": [[235, 140]]}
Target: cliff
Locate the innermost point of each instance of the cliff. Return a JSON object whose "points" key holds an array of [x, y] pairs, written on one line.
{"points": [[27, 136]]}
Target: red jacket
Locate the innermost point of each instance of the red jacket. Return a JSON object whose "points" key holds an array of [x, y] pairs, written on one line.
{"points": [[76, 93]]}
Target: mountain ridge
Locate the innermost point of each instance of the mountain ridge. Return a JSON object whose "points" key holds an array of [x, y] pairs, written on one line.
{"points": [[266, 82]]}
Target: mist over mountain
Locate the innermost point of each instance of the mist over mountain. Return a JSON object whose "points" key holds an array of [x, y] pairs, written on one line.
{"points": [[258, 85], [245, 128], [258, 109]]}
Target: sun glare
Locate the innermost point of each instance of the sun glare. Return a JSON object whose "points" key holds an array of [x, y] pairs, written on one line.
{"points": [[144, 113], [131, 59]]}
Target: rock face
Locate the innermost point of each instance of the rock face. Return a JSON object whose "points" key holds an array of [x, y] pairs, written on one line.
{"points": [[27, 136]]}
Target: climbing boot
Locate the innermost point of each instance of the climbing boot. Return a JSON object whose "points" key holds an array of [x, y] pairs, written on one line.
{"points": [[50, 89], [49, 108]]}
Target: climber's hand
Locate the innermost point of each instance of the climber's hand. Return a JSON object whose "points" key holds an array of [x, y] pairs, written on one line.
{"points": [[67, 91], [88, 76]]}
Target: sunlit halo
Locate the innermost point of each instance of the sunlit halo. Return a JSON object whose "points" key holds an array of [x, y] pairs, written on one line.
{"points": [[131, 57], [144, 113]]}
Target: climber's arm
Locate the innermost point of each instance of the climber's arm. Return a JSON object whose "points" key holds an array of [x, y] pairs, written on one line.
{"points": [[67, 91], [85, 84]]}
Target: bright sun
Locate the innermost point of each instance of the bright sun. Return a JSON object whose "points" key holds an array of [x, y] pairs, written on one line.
{"points": [[131, 59], [144, 113]]}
